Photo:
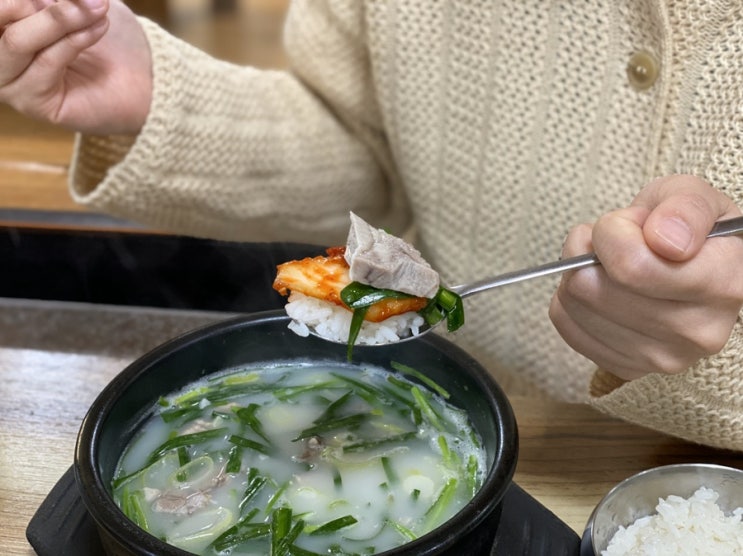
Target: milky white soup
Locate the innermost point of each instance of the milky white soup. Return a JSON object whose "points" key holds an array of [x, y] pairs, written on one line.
{"points": [[300, 460]]}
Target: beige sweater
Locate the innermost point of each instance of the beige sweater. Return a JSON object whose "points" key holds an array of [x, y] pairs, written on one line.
{"points": [[492, 126]]}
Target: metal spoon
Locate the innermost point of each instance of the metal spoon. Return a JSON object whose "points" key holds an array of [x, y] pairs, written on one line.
{"points": [[733, 226]]}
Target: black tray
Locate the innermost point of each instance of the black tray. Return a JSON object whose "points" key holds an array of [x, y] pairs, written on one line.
{"points": [[63, 527]]}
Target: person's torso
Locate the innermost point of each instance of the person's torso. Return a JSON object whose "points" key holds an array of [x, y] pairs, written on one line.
{"points": [[510, 122]]}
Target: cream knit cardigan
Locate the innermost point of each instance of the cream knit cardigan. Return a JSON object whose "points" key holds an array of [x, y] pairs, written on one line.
{"points": [[492, 126]]}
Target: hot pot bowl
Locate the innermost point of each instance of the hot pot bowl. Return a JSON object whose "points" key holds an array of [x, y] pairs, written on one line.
{"points": [[263, 338]]}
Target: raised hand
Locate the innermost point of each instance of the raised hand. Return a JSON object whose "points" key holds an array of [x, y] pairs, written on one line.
{"points": [[664, 296], [81, 64]]}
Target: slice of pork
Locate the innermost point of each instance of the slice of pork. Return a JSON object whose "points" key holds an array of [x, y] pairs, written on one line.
{"points": [[385, 261]]}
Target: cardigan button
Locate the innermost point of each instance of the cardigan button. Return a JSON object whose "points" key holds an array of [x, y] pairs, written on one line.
{"points": [[642, 70]]}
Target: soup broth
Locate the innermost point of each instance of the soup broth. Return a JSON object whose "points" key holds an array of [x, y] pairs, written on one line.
{"points": [[301, 460]]}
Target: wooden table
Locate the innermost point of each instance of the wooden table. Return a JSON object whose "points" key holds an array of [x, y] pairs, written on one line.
{"points": [[55, 358], [34, 160]]}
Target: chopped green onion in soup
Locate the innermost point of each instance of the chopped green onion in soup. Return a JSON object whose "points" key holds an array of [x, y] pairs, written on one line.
{"points": [[303, 459]]}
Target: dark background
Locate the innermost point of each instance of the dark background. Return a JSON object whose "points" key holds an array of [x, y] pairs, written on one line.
{"points": [[139, 269]]}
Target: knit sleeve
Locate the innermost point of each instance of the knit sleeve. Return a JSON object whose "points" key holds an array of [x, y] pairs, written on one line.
{"points": [[238, 153], [702, 405]]}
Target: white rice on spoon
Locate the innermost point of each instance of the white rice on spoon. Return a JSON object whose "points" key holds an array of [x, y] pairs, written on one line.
{"points": [[333, 322]]}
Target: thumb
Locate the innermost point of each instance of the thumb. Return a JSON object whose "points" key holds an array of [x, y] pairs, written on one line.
{"points": [[683, 210]]}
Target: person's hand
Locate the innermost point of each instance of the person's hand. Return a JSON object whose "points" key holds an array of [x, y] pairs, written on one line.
{"points": [[664, 296], [81, 64]]}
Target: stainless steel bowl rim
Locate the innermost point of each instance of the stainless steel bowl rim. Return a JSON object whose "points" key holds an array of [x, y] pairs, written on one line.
{"points": [[588, 536]]}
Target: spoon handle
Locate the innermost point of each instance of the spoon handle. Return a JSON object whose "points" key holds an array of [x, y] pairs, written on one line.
{"points": [[733, 226]]}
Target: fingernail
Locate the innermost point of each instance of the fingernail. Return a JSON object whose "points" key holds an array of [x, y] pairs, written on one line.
{"points": [[676, 233]]}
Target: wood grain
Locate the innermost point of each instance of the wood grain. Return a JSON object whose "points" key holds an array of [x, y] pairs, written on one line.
{"points": [[572, 455], [34, 159]]}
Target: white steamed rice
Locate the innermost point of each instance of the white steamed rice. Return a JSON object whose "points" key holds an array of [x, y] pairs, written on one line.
{"points": [[683, 526], [332, 322]]}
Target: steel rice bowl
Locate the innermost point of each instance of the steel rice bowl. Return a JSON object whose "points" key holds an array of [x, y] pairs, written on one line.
{"points": [[638, 495]]}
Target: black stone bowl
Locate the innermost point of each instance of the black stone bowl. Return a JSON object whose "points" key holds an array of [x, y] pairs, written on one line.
{"points": [[129, 399]]}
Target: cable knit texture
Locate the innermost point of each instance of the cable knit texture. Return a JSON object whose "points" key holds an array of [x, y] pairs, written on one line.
{"points": [[493, 127]]}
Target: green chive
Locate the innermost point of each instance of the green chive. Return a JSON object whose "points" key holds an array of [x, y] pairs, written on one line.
{"points": [[359, 297], [281, 520], [377, 442], [356, 321], [388, 471], [255, 483], [426, 408], [445, 304], [433, 513], [446, 454], [295, 391], [373, 395], [247, 443], [134, 504], [349, 422], [295, 550], [183, 456], [333, 408], [356, 295], [288, 541], [432, 384], [241, 532], [234, 460], [247, 417], [275, 497], [471, 475], [184, 414], [334, 525], [184, 440], [406, 533]]}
